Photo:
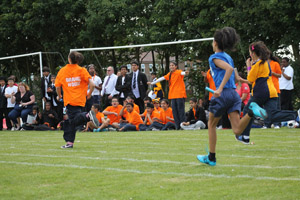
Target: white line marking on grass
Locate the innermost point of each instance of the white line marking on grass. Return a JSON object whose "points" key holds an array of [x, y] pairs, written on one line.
{"points": [[153, 172], [150, 161]]}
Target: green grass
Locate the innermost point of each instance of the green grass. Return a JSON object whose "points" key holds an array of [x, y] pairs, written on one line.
{"points": [[149, 165]]}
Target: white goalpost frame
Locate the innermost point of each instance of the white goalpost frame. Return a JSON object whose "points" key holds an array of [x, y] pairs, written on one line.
{"points": [[33, 54]]}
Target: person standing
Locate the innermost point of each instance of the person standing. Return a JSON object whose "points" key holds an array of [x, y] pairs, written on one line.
{"points": [[157, 88], [98, 86], [10, 90], [74, 81], [3, 104], [45, 84], [177, 92], [123, 84], [286, 85], [109, 87], [139, 85]]}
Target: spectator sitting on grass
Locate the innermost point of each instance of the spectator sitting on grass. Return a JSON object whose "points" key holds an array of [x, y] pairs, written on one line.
{"points": [[49, 116], [156, 103], [133, 119], [151, 116], [112, 112], [196, 118], [146, 101], [100, 117], [33, 119]]}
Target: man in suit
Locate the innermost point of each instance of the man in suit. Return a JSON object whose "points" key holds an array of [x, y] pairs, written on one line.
{"points": [[3, 105], [139, 85], [45, 84], [123, 85]]}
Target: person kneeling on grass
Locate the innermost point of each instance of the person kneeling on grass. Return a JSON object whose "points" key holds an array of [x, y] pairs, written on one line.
{"points": [[196, 118], [133, 119], [90, 126], [151, 116], [166, 119]]}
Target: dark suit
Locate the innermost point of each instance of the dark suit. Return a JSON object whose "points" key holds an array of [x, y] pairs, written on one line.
{"points": [[125, 88], [59, 105], [143, 87], [43, 85], [3, 109]]}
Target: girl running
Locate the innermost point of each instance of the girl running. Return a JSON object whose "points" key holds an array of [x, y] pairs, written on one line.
{"points": [[225, 98]]}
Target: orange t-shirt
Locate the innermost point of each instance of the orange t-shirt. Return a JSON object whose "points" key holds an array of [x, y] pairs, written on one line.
{"points": [[134, 119], [164, 114], [154, 114], [113, 118], [135, 107], [275, 67], [99, 116], [211, 83], [74, 81], [159, 109], [176, 85]]}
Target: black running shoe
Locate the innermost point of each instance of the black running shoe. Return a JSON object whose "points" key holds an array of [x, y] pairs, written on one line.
{"points": [[67, 146], [93, 118], [241, 139]]}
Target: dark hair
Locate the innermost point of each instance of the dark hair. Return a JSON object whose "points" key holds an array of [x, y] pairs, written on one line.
{"points": [[46, 69], [261, 50], [35, 107], [193, 99], [274, 58], [153, 73], [91, 65], [115, 97], [48, 102], [226, 38], [286, 59], [130, 96], [53, 75], [135, 62], [97, 106], [166, 101], [131, 104], [123, 66], [174, 62], [11, 79], [147, 99], [76, 57], [150, 105], [2, 78]]}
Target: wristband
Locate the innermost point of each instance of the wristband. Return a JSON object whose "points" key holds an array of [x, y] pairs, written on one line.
{"points": [[248, 68]]}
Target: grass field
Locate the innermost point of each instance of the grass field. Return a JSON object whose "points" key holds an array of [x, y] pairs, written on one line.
{"points": [[149, 165]]}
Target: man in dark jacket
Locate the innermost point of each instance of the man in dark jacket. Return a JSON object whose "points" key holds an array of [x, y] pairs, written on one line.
{"points": [[49, 116], [123, 84], [196, 118], [45, 84], [139, 85]]}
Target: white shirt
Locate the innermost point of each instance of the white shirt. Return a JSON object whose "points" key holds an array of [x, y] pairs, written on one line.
{"points": [[46, 86], [135, 90], [123, 80], [97, 81], [10, 90], [285, 84], [110, 88]]}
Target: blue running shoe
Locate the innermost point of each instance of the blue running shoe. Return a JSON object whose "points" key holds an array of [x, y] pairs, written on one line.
{"points": [[97, 130], [205, 160], [258, 111], [241, 139]]}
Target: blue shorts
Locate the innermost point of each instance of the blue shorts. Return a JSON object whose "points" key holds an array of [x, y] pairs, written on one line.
{"points": [[229, 101]]}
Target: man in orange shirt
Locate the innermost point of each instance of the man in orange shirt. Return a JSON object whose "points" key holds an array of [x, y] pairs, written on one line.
{"points": [[74, 81], [112, 112], [151, 116], [133, 119], [166, 119]]}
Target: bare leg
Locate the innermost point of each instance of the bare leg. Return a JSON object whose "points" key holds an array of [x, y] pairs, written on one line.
{"points": [[238, 125], [212, 133]]}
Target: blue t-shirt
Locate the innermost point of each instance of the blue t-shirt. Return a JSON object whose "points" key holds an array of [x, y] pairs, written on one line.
{"points": [[218, 73]]}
